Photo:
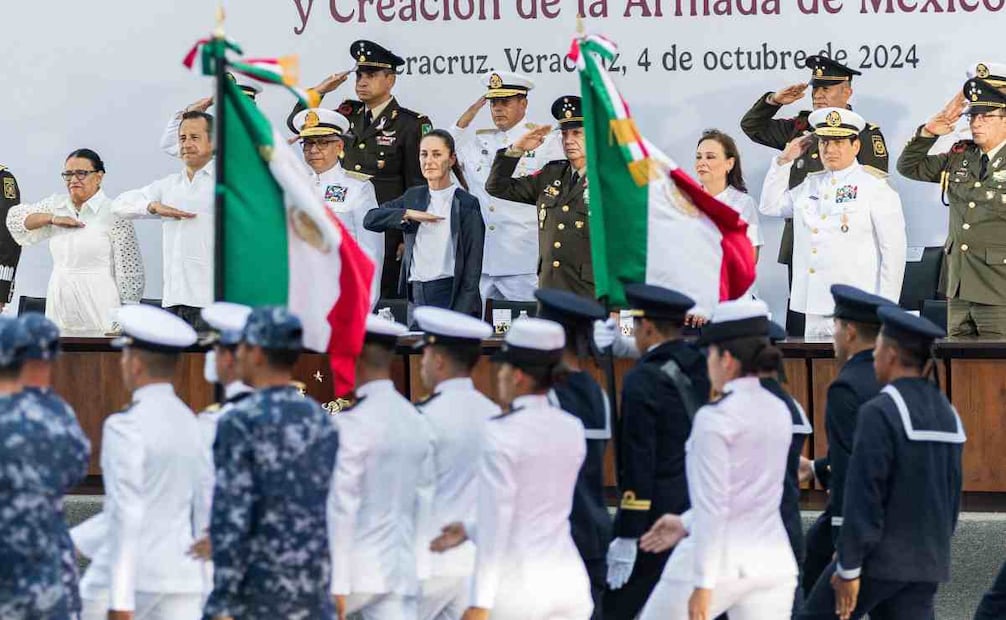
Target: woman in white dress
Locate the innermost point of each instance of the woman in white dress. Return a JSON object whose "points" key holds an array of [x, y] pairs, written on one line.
{"points": [[96, 259], [718, 166]]}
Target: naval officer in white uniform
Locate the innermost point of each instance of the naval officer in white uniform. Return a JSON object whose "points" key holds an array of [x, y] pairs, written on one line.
{"points": [[156, 472], [457, 414], [349, 195], [848, 224], [510, 257]]}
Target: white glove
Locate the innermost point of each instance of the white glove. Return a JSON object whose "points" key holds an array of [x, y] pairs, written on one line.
{"points": [[604, 333], [621, 559]]}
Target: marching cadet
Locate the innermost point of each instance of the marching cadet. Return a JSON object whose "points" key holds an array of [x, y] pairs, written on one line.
{"points": [[36, 382], [381, 496], [42, 458], [856, 327], [559, 190], [973, 179], [527, 566], [154, 470], [906, 455], [510, 259], [274, 453], [386, 137], [831, 87], [348, 194], [849, 225], [735, 557], [457, 414], [169, 139], [660, 397], [993, 603], [579, 394], [10, 250]]}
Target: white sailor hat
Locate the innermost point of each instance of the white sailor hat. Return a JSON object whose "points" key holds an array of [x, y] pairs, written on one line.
{"points": [[446, 327], [227, 320], [992, 72], [532, 342], [502, 85], [252, 89], [836, 123], [315, 122], [153, 329], [740, 318], [383, 331]]}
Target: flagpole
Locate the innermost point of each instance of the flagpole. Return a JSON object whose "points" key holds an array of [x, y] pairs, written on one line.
{"points": [[219, 196]]}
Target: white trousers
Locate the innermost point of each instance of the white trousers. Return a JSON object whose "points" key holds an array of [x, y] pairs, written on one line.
{"points": [[818, 327], [443, 598], [151, 606], [388, 606], [510, 288]]}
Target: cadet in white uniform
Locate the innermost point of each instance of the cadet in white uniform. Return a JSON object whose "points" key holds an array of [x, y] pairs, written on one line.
{"points": [[527, 566], [736, 557], [155, 472], [457, 415], [382, 491], [510, 258], [349, 195], [848, 223]]}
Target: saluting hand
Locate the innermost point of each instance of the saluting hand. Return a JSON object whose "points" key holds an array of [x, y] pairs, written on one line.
{"points": [[846, 596], [157, 208], [469, 115], [943, 122], [533, 139], [795, 148], [201, 105], [331, 82], [789, 94]]}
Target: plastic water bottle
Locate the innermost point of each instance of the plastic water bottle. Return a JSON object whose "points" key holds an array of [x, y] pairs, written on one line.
{"points": [[522, 315], [385, 313]]}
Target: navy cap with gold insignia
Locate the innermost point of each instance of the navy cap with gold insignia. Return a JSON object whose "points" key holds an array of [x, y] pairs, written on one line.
{"points": [[826, 72], [446, 327], [836, 123], [502, 85], [992, 72], [567, 307], [983, 97], [317, 122], [43, 336], [907, 329], [568, 112], [152, 329], [649, 301], [853, 304], [370, 55], [740, 318]]}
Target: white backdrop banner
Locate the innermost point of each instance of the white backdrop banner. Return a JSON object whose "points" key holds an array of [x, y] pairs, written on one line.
{"points": [[108, 75]]}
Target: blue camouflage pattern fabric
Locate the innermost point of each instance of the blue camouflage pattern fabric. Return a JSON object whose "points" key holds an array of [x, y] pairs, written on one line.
{"points": [[274, 327], [43, 453], [43, 336], [274, 455]]}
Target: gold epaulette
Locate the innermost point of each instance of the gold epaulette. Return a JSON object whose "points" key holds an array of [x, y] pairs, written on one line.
{"points": [[875, 172], [482, 132], [212, 408], [629, 502], [359, 176]]}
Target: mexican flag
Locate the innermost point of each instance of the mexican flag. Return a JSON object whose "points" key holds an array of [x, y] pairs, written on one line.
{"points": [[277, 243], [649, 221]]}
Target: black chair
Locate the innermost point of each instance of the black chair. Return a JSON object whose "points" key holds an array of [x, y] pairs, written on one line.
{"points": [[922, 279], [399, 309], [31, 304], [936, 311], [151, 302]]}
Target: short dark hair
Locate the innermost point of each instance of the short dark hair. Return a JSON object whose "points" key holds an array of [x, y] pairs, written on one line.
{"points": [[866, 331], [158, 365], [543, 375], [914, 355], [195, 114], [666, 327], [377, 355], [755, 353], [11, 372], [89, 155], [284, 359], [465, 356]]}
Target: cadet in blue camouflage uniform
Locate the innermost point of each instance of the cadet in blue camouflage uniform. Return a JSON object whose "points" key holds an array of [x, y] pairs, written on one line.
{"points": [[40, 459], [274, 455]]}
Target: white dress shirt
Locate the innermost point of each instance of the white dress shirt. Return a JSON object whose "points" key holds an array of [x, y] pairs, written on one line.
{"points": [[511, 245], [155, 471], [187, 244], [350, 198], [527, 565], [94, 269], [382, 493], [848, 229], [433, 252], [457, 415]]}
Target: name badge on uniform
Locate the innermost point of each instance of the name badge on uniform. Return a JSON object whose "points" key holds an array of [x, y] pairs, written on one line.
{"points": [[336, 193], [846, 193], [385, 140]]}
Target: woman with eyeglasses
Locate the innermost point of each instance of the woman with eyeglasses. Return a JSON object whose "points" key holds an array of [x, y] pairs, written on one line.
{"points": [[96, 259]]}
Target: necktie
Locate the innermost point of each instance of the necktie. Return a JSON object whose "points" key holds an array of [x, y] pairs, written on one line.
{"points": [[985, 166], [368, 118], [576, 177]]}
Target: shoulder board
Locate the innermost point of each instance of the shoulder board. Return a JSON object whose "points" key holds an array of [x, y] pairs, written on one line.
{"points": [[482, 132], [961, 146], [2, 167], [426, 400], [506, 414], [359, 176], [557, 162], [212, 408], [871, 126], [349, 106], [413, 114], [817, 172], [875, 172]]}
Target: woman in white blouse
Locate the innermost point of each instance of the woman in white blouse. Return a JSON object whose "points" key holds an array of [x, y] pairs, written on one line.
{"points": [[96, 259], [718, 166]]}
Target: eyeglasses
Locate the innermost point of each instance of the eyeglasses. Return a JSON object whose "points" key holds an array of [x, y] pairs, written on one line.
{"points": [[80, 175], [307, 145], [979, 117]]}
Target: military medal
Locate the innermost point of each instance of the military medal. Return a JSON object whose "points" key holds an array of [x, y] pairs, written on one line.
{"points": [[542, 214], [845, 223]]}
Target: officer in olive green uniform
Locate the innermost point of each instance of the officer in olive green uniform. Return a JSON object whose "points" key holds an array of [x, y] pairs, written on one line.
{"points": [[760, 125], [10, 251], [560, 193], [384, 146], [973, 179]]}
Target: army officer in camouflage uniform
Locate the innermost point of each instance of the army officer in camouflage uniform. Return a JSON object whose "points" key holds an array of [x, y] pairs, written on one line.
{"points": [[559, 191], [385, 147], [973, 178], [831, 87], [10, 251]]}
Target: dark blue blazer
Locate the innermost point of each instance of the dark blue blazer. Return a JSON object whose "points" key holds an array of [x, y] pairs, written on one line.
{"points": [[468, 231]]}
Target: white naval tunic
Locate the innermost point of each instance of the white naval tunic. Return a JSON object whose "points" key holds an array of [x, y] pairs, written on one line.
{"points": [[849, 229], [526, 566]]}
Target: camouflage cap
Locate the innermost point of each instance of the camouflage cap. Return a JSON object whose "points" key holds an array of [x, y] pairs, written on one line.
{"points": [[14, 341], [43, 336], [273, 327]]}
